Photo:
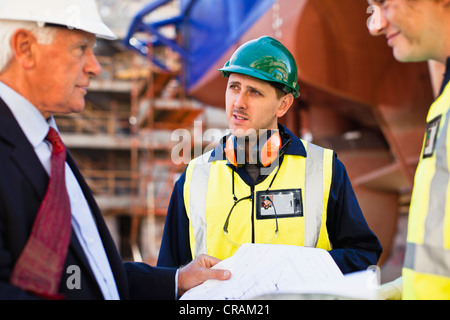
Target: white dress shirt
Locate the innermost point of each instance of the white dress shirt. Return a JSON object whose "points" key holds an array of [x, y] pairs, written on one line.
{"points": [[36, 128]]}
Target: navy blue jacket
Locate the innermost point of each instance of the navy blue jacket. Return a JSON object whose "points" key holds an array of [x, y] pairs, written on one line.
{"points": [[355, 246]]}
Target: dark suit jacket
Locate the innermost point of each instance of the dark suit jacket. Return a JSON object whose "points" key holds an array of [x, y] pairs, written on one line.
{"points": [[23, 183]]}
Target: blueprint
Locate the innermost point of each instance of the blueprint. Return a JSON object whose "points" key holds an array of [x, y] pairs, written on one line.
{"points": [[268, 269]]}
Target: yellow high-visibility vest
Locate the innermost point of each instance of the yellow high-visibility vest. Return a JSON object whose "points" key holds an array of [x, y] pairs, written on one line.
{"points": [[426, 270], [208, 200]]}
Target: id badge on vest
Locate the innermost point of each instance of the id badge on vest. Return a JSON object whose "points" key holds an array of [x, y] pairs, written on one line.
{"points": [[431, 137], [273, 204]]}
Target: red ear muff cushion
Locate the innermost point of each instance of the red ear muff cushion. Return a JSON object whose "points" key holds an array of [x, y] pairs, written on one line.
{"points": [[269, 151], [230, 150]]}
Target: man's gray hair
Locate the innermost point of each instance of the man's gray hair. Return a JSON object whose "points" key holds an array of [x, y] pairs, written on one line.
{"points": [[43, 34]]}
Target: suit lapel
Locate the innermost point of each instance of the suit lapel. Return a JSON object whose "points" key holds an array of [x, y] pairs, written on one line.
{"points": [[21, 149]]}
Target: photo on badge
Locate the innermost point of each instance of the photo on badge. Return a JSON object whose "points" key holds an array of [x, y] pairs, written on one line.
{"points": [[279, 204]]}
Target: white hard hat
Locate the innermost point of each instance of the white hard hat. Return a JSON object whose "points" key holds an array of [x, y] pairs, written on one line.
{"points": [[76, 14]]}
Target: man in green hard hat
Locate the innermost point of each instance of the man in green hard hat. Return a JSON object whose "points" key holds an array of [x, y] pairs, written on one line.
{"points": [[262, 184]]}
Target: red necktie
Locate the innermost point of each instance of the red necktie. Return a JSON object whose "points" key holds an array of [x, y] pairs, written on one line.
{"points": [[41, 262]]}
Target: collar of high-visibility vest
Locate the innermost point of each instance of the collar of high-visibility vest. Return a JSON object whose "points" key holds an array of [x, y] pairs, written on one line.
{"points": [[446, 76], [296, 146]]}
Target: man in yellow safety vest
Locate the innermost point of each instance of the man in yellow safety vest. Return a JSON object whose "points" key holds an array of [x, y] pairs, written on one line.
{"points": [[262, 184], [419, 31]]}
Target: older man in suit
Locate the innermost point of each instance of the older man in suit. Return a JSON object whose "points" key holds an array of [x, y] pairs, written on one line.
{"points": [[50, 224]]}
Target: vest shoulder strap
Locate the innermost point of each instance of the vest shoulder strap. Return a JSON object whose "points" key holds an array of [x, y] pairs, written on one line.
{"points": [[195, 191]]}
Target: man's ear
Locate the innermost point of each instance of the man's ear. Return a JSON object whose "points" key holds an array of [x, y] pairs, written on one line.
{"points": [[285, 103], [22, 43]]}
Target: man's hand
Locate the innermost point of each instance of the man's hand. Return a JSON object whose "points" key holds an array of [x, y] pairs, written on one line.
{"points": [[198, 271]]}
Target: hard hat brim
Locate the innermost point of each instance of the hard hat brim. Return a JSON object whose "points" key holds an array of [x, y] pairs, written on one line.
{"points": [[257, 74], [74, 14], [100, 30]]}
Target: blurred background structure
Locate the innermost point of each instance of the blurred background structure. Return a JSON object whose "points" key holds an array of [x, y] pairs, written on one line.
{"points": [[161, 77]]}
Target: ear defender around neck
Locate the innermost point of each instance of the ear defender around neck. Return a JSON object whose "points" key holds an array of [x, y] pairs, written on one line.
{"points": [[267, 149], [231, 150]]}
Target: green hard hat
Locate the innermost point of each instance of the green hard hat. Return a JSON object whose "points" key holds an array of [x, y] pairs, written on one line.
{"points": [[267, 59]]}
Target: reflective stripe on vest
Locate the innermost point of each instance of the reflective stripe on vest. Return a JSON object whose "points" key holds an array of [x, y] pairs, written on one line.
{"points": [[427, 259], [315, 201], [197, 195], [313, 194]]}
